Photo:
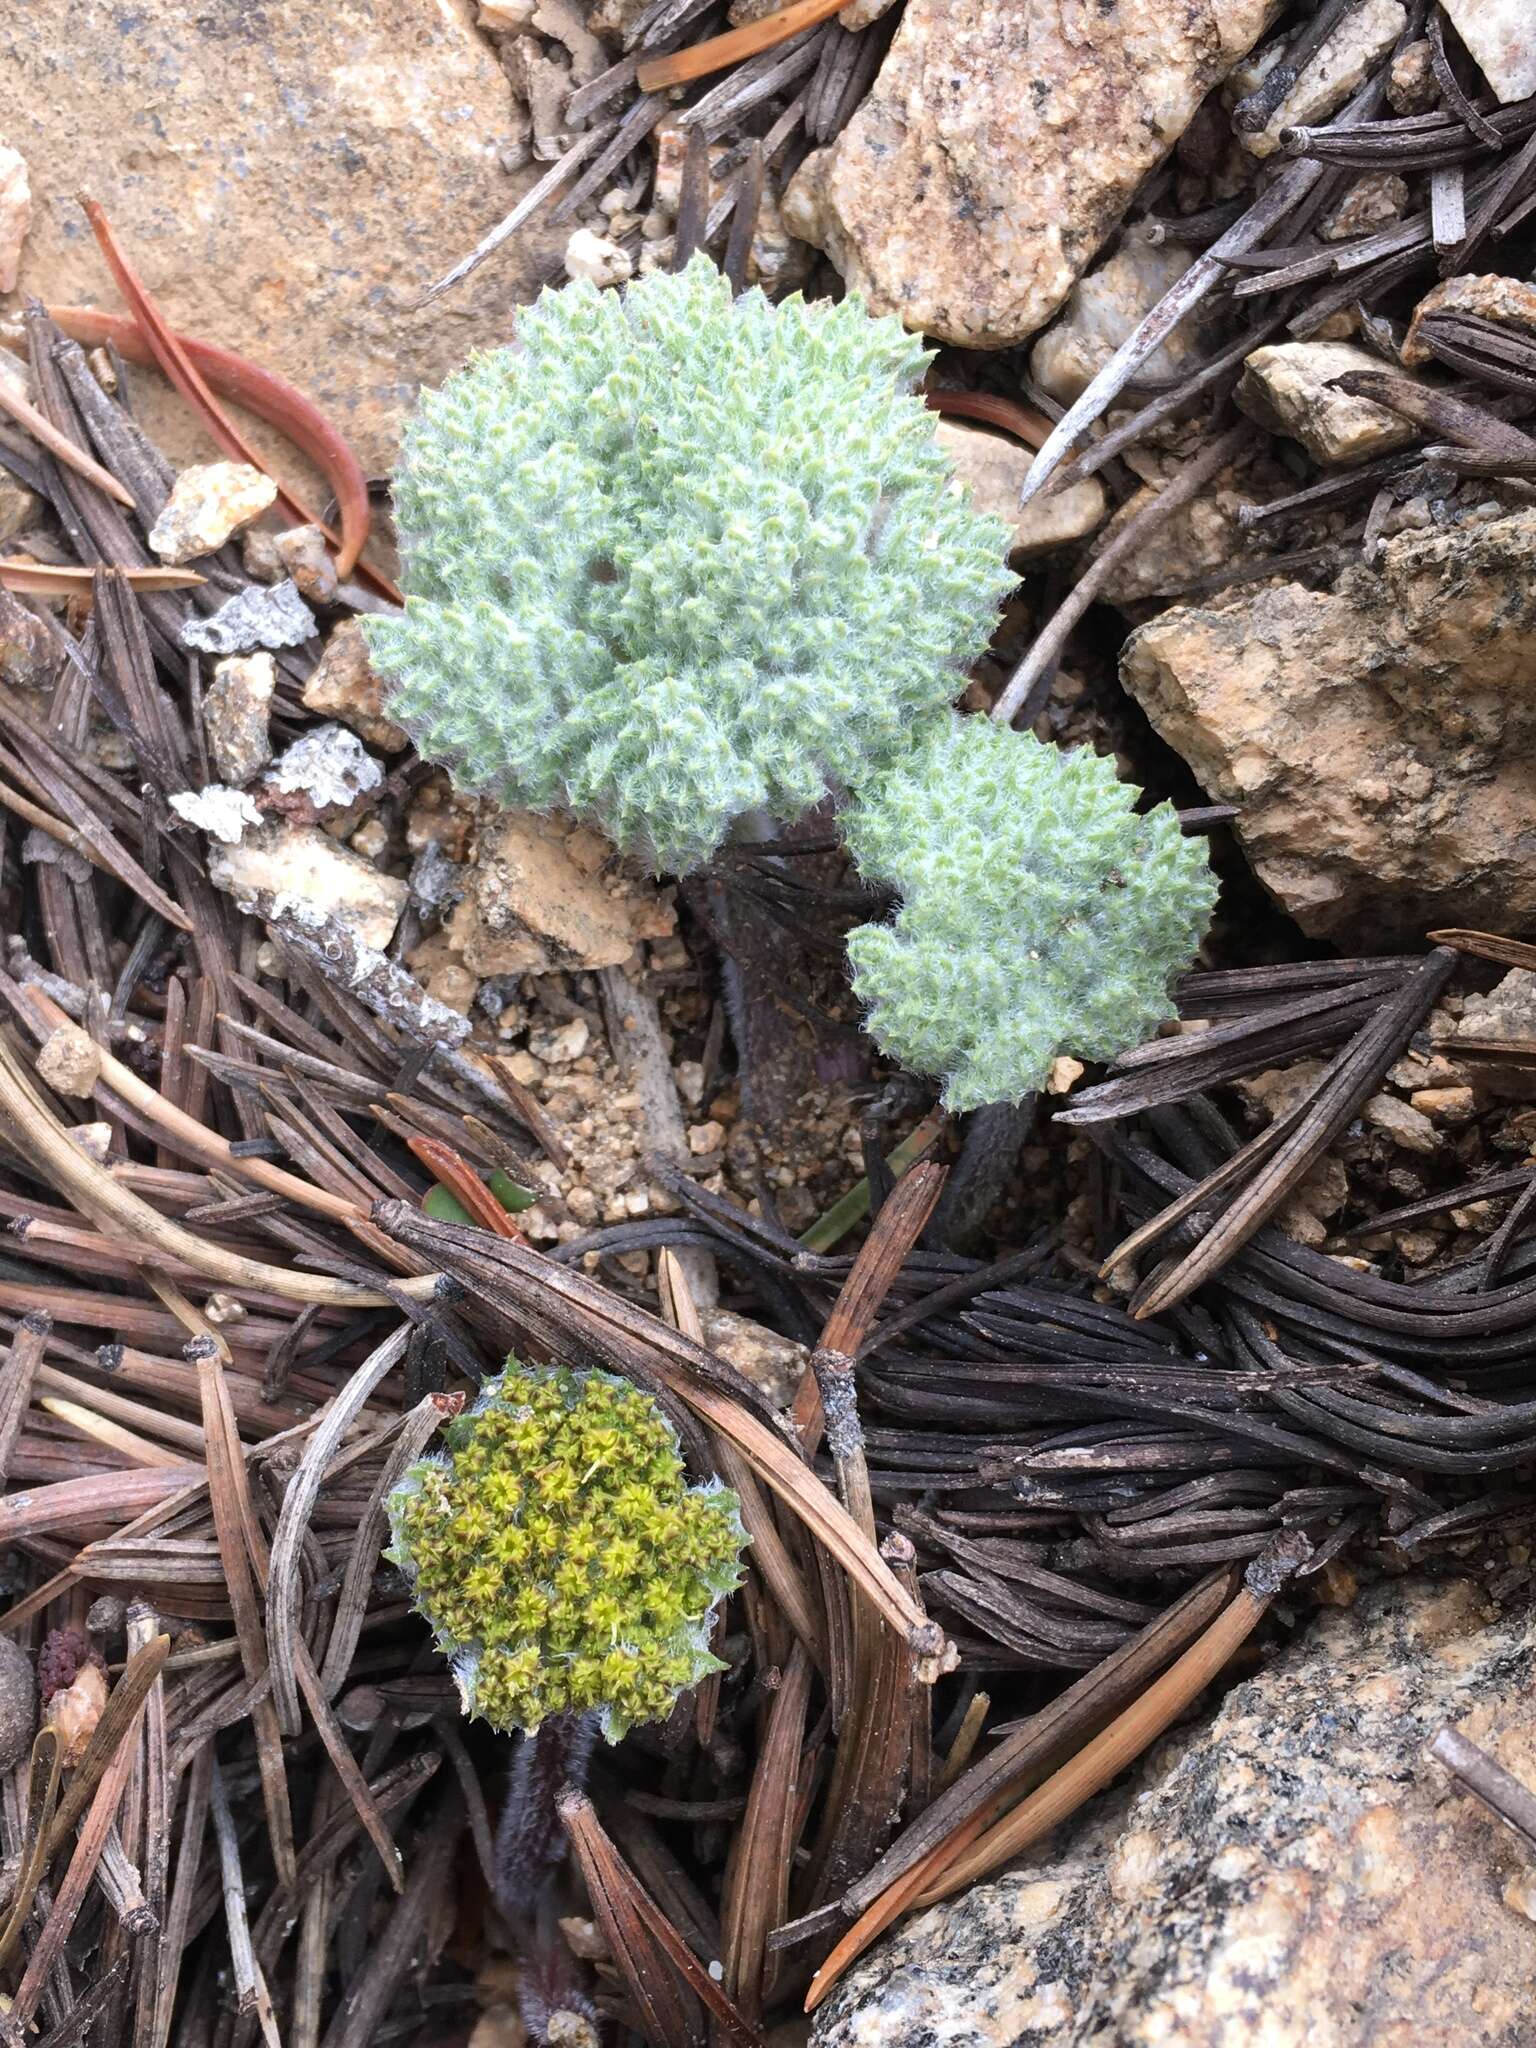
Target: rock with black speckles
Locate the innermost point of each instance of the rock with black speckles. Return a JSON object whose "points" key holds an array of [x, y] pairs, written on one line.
{"points": [[1001, 144], [1293, 1872], [18, 1702]]}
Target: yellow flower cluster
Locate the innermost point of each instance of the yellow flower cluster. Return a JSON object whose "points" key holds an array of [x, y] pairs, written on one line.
{"points": [[560, 1555]]}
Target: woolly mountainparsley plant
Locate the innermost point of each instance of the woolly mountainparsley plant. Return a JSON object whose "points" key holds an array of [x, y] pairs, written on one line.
{"points": [[1040, 912], [677, 557], [560, 1555]]}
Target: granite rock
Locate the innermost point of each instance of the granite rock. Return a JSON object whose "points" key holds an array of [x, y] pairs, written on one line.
{"points": [[1501, 36], [1506, 301], [1507, 1010], [1288, 387], [1346, 59], [1292, 1872], [1379, 740], [1102, 309], [999, 146], [993, 469], [286, 179], [346, 685]]}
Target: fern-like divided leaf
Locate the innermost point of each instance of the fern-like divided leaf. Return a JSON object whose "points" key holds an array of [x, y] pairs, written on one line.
{"points": [[677, 557], [1040, 913]]}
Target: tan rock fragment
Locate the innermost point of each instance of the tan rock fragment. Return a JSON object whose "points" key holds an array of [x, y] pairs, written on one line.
{"points": [[992, 468], [1412, 87], [305, 556], [74, 1711], [1445, 1105], [209, 502], [1195, 541], [1508, 301], [27, 656], [1379, 741], [770, 1361], [69, 1061], [999, 145], [1373, 201], [533, 902], [1288, 387], [1102, 309], [346, 685], [505, 17], [236, 711], [303, 866], [1402, 1123]]}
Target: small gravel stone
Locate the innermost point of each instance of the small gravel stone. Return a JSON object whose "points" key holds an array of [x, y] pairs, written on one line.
{"points": [[220, 811], [559, 1045], [236, 712], [304, 555], [347, 686], [258, 617], [70, 1061], [706, 1137], [595, 258], [1403, 1124], [1445, 1105], [209, 502]]}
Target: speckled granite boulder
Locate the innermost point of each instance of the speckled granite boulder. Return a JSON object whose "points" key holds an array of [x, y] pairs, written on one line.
{"points": [[1292, 1874], [1379, 739], [999, 146]]}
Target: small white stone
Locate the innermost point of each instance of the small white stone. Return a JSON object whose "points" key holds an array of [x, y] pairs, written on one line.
{"points": [[1500, 36], [330, 766], [559, 1046], [221, 812], [595, 258], [208, 503]]}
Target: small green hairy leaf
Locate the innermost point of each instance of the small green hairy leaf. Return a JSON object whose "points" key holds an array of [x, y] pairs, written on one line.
{"points": [[1040, 912], [560, 1555], [677, 557]]}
